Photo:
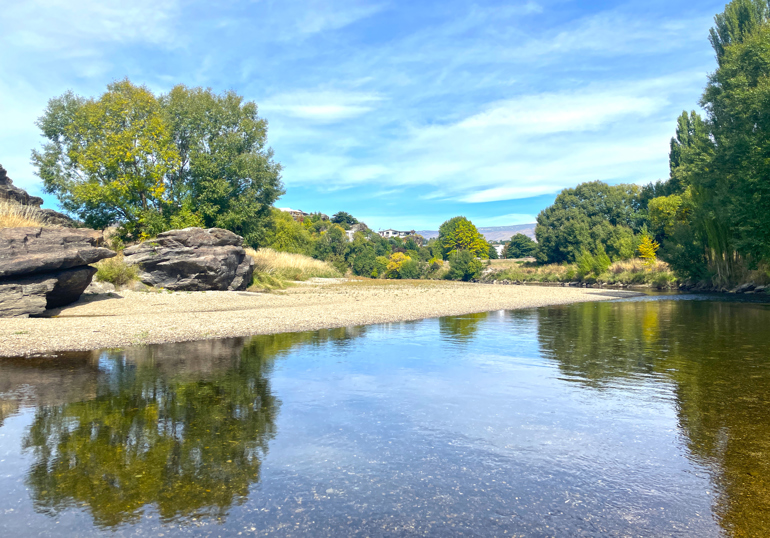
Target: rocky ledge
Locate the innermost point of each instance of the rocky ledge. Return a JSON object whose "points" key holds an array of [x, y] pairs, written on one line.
{"points": [[43, 268], [193, 259]]}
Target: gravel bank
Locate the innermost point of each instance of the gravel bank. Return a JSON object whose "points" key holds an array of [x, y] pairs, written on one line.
{"points": [[133, 318]]}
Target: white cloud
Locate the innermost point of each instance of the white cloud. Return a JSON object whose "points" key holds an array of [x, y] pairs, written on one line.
{"points": [[323, 106], [73, 27]]}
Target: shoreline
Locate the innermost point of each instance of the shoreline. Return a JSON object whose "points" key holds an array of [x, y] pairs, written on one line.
{"points": [[127, 318]]}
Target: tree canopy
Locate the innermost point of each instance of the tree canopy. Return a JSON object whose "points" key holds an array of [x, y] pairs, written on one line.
{"points": [[151, 163], [458, 234], [591, 217], [520, 246]]}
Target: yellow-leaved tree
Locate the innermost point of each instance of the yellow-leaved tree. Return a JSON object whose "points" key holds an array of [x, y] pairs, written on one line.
{"points": [[460, 234], [648, 250]]}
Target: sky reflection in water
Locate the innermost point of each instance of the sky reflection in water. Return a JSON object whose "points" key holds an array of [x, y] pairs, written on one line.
{"points": [[633, 417]]}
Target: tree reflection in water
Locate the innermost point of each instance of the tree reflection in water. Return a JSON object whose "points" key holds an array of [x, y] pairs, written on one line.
{"points": [[718, 357], [183, 427]]}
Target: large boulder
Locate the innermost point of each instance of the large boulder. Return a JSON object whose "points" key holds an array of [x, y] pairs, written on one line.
{"points": [[43, 268], [33, 250], [33, 295], [193, 259]]}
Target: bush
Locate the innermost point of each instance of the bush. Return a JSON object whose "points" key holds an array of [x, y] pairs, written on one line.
{"points": [[116, 272], [409, 269], [464, 266]]}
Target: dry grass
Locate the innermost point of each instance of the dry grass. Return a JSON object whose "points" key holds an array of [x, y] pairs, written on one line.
{"points": [[637, 265], [13, 215], [625, 272], [288, 266]]}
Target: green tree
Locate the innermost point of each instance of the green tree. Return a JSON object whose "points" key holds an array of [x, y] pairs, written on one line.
{"points": [[343, 218], [107, 159], [463, 265], [493, 253], [149, 163], [288, 235], [520, 246], [458, 234], [591, 217]]}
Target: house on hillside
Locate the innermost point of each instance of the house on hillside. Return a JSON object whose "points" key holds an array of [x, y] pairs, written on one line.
{"points": [[299, 215], [387, 234]]}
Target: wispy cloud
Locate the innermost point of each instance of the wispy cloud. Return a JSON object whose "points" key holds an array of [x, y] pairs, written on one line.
{"points": [[323, 106]]}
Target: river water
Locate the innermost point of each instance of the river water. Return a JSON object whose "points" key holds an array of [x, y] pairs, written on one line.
{"points": [[644, 417]]}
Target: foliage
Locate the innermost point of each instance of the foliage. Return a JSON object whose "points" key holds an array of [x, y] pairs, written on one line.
{"points": [[288, 235], [344, 218], [395, 264], [493, 253], [116, 271], [463, 265], [520, 246], [14, 215], [591, 217], [648, 250], [149, 163], [458, 234], [410, 269]]}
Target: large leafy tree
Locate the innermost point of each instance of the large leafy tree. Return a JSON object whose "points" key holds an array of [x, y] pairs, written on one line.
{"points": [[458, 234], [190, 157], [591, 217], [107, 159], [520, 246]]}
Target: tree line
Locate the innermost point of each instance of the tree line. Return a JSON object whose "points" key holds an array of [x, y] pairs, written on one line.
{"points": [[711, 216]]}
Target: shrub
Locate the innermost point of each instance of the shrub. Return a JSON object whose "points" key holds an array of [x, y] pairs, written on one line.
{"points": [[13, 215], [116, 271], [409, 269], [464, 266]]}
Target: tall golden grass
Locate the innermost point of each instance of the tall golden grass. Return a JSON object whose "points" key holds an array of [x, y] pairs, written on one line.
{"points": [[288, 266], [13, 215], [636, 265]]}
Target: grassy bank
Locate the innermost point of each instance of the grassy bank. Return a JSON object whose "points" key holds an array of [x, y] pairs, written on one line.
{"points": [[627, 272], [276, 270]]}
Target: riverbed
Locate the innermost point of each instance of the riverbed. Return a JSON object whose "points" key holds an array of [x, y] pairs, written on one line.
{"points": [[635, 417]]}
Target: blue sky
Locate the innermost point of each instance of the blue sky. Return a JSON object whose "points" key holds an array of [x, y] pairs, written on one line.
{"points": [[401, 113]]}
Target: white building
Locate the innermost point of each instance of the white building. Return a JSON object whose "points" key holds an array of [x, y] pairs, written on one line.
{"points": [[395, 233]]}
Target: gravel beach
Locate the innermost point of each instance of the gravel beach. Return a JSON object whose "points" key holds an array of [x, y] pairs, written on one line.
{"points": [[128, 318]]}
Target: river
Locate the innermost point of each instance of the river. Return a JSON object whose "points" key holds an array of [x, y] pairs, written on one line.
{"points": [[637, 417]]}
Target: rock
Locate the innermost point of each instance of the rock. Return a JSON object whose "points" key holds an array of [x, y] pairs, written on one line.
{"points": [[193, 259], [10, 193], [44, 268], [35, 250], [743, 288], [99, 287], [760, 289], [32, 295]]}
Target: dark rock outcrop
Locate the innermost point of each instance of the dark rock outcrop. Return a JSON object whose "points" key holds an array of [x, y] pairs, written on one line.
{"points": [[193, 259], [33, 250], [10, 193], [43, 268]]}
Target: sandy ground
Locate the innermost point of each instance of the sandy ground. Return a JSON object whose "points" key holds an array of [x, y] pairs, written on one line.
{"points": [[128, 318]]}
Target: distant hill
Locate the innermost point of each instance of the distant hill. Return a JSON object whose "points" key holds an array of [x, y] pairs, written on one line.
{"points": [[493, 233]]}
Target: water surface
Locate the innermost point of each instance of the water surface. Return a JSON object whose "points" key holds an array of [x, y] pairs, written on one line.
{"points": [[642, 417]]}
